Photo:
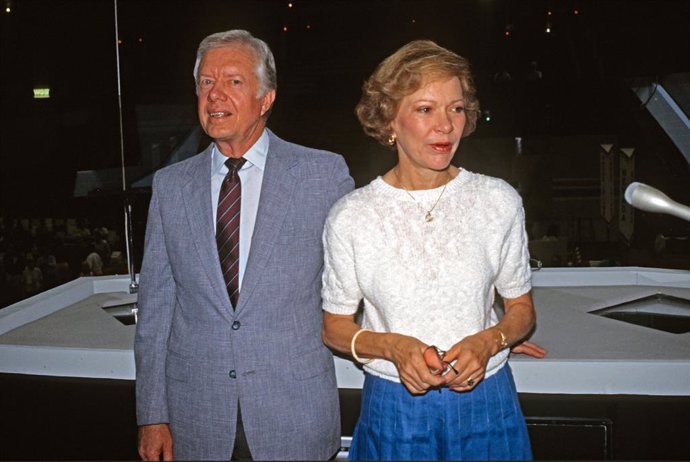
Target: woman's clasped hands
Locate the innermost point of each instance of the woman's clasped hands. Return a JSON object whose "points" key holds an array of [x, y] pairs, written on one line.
{"points": [[463, 365], [423, 367], [415, 373]]}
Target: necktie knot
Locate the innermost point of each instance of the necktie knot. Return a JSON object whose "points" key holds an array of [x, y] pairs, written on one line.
{"points": [[234, 165]]}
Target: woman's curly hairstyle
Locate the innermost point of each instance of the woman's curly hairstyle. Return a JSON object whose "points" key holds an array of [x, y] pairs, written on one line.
{"points": [[403, 73]]}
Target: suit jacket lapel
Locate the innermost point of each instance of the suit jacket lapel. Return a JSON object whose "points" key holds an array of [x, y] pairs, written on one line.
{"points": [[197, 203], [276, 193]]}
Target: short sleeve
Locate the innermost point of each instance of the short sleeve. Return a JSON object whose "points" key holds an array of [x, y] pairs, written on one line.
{"points": [[340, 292], [514, 277]]}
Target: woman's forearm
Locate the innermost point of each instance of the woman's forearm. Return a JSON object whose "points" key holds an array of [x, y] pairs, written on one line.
{"points": [[339, 330], [517, 322]]}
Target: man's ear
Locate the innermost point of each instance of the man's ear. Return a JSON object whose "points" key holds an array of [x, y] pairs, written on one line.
{"points": [[267, 101]]}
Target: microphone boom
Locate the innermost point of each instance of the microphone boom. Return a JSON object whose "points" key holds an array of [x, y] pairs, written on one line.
{"points": [[649, 199]]}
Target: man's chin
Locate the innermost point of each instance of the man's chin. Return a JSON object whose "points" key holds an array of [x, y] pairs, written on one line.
{"points": [[218, 131]]}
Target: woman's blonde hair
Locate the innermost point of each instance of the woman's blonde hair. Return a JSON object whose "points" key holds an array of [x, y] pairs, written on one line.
{"points": [[403, 73]]}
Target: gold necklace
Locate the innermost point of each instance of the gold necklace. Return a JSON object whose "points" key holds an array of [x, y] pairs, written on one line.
{"points": [[428, 217]]}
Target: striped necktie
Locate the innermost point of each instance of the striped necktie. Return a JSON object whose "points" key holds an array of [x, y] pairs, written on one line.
{"points": [[228, 227]]}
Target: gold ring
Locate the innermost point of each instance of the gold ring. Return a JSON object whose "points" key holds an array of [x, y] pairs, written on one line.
{"points": [[470, 382]]}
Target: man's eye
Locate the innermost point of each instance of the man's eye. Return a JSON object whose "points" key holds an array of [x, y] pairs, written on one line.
{"points": [[235, 81], [206, 82]]}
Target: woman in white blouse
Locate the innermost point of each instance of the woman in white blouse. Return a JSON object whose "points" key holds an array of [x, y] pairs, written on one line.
{"points": [[425, 247]]}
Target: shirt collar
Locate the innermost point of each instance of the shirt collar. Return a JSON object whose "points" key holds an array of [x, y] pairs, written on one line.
{"points": [[256, 155]]}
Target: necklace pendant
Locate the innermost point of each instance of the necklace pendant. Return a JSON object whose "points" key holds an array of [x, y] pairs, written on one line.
{"points": [[428, 217]]}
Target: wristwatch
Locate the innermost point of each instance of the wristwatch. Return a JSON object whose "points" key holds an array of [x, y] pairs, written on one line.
{"points": [[504, 341]]}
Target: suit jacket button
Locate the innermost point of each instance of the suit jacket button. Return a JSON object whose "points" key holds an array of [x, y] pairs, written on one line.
{"points": [[233, 374], [236, 325]]}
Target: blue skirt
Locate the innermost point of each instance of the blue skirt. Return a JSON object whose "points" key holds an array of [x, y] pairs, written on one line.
{"points": [[483, 424]]}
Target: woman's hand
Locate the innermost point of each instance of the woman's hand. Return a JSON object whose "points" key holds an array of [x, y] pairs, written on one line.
{"points": [[469, 358], [407, 353], [529, 349], [415, 371]]}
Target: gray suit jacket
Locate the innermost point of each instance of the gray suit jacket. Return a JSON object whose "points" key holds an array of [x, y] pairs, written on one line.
{"points": [[196, 358]]}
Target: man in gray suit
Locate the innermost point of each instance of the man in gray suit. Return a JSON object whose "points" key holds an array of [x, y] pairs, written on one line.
{"points": [[217, 379]]}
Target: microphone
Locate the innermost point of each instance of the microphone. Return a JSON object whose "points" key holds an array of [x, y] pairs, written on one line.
{"points": [[644, 197]]}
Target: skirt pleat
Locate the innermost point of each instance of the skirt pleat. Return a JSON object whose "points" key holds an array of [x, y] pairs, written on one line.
{"points": [[483, 424]]}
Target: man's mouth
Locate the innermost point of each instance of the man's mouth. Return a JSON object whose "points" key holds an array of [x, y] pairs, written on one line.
{"points": [[219, 114]]}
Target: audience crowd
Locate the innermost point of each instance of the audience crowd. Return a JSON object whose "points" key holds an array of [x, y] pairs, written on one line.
{"points": [[37, 255]]}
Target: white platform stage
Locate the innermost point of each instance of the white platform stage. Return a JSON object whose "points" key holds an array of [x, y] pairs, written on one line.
{"points": [[66, 332]]}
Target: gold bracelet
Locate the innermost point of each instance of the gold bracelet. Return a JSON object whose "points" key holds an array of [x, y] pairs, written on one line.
{"points": [[352, 348], [504, 340]]}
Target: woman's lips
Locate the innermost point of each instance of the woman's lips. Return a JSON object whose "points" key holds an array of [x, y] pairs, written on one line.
{"points": [[442, 147]]}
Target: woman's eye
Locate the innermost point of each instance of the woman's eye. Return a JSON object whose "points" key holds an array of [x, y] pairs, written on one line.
{"points": [[423, 109], [459, 109]]}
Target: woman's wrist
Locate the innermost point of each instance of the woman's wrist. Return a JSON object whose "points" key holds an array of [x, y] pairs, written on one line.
{"points": [[390, 344], [495, 340], [500, 339], [353, 350]]}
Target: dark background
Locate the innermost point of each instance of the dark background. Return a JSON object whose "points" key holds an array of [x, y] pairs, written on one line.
{"points": [[324, 50], [330, 47]]}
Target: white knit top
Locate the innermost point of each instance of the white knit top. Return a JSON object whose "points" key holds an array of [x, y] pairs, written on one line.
{"points": [[431, 280]]}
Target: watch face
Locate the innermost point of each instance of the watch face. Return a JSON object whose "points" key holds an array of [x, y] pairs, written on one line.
{"points": [[504, 342]]}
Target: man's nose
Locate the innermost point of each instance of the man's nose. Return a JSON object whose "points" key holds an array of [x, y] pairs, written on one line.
{"points": [[216, 92]]}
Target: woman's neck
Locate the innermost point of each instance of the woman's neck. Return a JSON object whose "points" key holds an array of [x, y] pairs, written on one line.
{"points": [[411, 180]]}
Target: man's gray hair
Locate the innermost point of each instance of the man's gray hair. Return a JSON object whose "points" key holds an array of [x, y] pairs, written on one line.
{"points": [[265, 63]]}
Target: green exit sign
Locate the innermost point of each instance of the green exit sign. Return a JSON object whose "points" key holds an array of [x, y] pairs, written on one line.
{"points": [[41, 92]]}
